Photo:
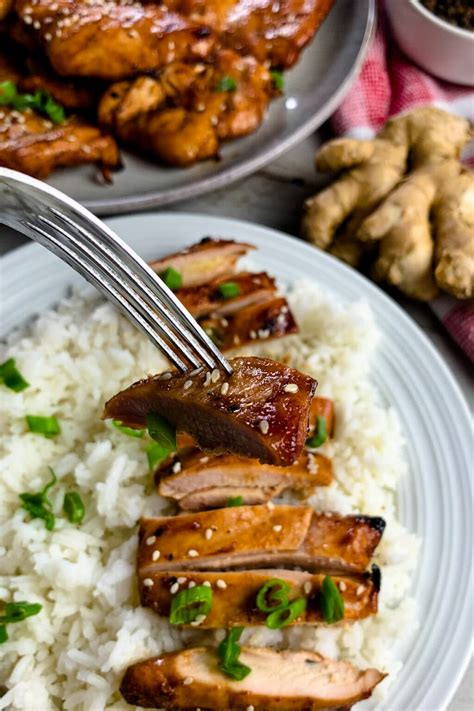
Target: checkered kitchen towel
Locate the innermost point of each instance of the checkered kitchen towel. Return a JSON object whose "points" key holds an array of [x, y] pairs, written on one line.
{"points": [[390, 84]]}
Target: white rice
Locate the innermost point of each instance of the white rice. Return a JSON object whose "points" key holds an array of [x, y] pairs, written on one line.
{"points": [[72, 655]]}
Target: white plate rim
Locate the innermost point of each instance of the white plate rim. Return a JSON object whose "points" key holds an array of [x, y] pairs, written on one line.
{"points": [[439, 677]]}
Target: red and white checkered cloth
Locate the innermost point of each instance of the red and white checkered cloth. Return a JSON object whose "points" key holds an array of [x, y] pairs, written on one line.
{"points": [[388, 84]]}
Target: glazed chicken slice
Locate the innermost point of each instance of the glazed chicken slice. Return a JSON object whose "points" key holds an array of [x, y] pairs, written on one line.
{"points": [[273, 31], [249, 287], [286, 680], [258, 536], [5, 7], [261, 321], [112, 39], [211, 258], [33, 145], [185, 114], [234, 595], [196, 482], [260, 411]]}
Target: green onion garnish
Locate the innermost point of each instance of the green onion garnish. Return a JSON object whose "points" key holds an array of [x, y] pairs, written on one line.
{"points": [[11, 376], [41, 101], [129, 431], [235, 501], [226, 83], [156, 453], [190, 604], [73, 507], [38, 505], [172, 278], [273, 595], [16, 612], [320, 434], [229, 289], [278, 80], [283, 616], [331, 600], [161, 431], [228, 652], [46, 426]]}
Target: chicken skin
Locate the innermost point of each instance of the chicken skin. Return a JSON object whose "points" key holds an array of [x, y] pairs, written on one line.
{"points": [[184, 114], [112, 40]]}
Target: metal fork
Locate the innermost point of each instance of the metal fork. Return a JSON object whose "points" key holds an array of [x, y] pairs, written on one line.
{"points": [[79, 238]]}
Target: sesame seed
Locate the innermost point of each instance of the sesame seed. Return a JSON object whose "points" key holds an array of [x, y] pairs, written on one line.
{"points": [[250, 708], [174, 588], [224, 388], [188, 384], [215, 375], [291, 388], [208, 534], [207, 584], [188, 680], [181, 580], [148, 583], [177, 467], [253, 335], [270, 505], [221, 584], [155, 555], [360, 590], [165, 376], [278, 528], [198, 621], [150, 540], [207, 379], [191, 585], [307, 587], [192, 553], [264, 426], [342, 586], [204, 460]]}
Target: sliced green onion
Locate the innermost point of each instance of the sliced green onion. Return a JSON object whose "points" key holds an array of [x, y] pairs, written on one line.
{"points": [[7, 93], [19, 611], [11, 376], [172, 278], [273, 595], [47, 426], [156, 453], [129, 431], [283, 616], [161, 431], [39, 506], [229, 289], [228, 652], [73, 507], [320, 434], [331, 600], [187, 605], [235, 501], [226, 83], [41, 101], [278, 80], [3, 634]]}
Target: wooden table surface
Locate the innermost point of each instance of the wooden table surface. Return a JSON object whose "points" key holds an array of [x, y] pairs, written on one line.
{"points": [[274, 197]]}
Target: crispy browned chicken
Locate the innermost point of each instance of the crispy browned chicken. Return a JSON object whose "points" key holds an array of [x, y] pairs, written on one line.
{"points": [[260, 411], [196, 481], [283, 680], [112, 40], [270, 30], [184, 113], [211, 258], [234, 594], [252, 536]]}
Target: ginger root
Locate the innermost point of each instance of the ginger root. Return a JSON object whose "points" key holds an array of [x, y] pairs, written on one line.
{"points": [[404, 202]]}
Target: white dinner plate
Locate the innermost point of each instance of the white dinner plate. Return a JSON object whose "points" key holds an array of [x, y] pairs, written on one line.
{"points": [[435, 500]]}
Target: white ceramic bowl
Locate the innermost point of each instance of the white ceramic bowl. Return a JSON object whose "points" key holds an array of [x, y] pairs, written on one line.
{"points": [[442, 49]]}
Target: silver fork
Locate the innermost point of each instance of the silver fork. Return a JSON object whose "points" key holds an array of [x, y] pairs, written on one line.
{"points": [[83, 241]]}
